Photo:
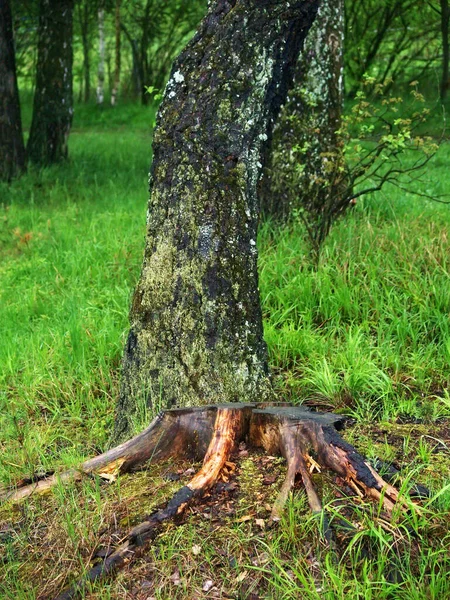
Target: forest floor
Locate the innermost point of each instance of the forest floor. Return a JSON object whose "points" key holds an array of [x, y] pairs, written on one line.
{"points": [[367, 334]]}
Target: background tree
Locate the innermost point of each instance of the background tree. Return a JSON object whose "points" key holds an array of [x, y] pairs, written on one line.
{"points": [[101, 54], [117, 55], [84, 22], [445, 21], [53, 100], [12, 151], [156, 31], [196, 330], [306, 148], [443, 10], [395, 41]]}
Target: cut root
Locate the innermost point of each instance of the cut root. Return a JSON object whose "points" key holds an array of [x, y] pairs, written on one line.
{"points": [[307, 440]]}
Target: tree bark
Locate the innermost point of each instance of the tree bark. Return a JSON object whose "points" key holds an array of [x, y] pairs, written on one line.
{"points": [[196, 333], [445, 20], [84, 27], [12, 150], [305, 147], [115, 90], [101, 56], [53, 100]]}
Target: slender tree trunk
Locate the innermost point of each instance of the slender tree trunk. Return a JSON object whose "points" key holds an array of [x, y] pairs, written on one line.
{"points": [[305, 147], [101, 56], [84, 25], [135, 73], [143, 65], [445, 19], [53, 100], [115, 89], [196, 332], [12, 151]]}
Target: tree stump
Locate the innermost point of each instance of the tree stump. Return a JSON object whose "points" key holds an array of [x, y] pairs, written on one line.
{"points": [[303, 437]]}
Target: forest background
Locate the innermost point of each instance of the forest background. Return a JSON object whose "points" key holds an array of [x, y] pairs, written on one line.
{"points": [[363, 330]]}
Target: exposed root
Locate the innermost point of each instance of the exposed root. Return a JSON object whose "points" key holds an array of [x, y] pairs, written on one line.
{"points": [[306, 439], [228, 429], [182, 433]]}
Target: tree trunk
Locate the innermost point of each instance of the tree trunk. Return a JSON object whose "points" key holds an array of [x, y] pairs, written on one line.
{"points": [[12, 151], [136, 82], [143, 64], [445, 19], [84, 26], [101, 56], [305, 147], [115, 89], [53, 101], [196, 332]]}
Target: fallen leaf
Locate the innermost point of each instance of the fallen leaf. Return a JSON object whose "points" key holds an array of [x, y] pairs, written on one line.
{"points": [[270, 479], [175, 577], [207, 585], [260, 523], [241, 576], [245, 518]]}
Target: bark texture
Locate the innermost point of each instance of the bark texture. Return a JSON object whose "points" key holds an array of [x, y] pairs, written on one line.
{"points": [[12, 151], [196, 330], [305, 144], [53, 99]]}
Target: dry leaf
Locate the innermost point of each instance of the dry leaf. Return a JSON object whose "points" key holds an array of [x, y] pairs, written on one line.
{"points": [[207, 585], [260, 523], [245, 518], [241, 576], [175, 577]]}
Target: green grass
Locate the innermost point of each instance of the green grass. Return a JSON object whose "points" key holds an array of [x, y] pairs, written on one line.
{"points": [[369, 330], [367, 333]]}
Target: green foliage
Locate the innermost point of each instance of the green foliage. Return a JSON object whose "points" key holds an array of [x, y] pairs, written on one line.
{"points": [[394, 41], [380, 141]]}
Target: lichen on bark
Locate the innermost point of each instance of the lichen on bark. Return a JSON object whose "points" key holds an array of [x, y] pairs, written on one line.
{"points": [[53, 98], [196, 332]]}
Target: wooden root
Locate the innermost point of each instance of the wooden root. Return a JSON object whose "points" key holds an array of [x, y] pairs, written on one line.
{"points": [[213, 432]]}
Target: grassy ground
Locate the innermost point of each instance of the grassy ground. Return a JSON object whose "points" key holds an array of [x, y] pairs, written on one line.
{"points": [[367, 334]]}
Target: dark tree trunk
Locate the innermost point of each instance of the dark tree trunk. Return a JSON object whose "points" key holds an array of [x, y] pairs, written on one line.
{"points": [[305, 149], [145, 40], [445, 20], [196, 332], [12, 151], [115, 90], [53, 101], [135, 72]]}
